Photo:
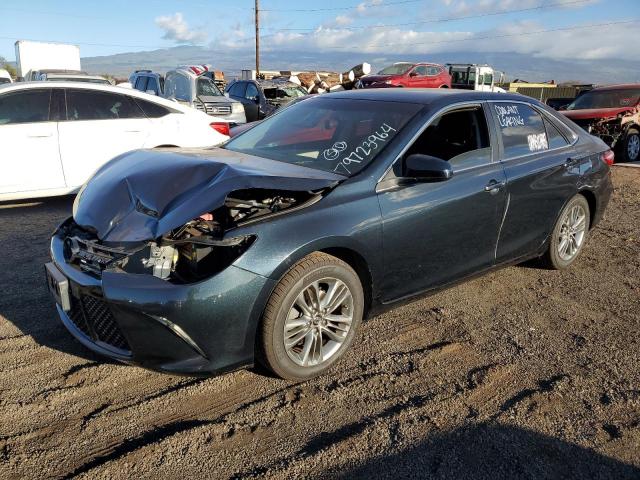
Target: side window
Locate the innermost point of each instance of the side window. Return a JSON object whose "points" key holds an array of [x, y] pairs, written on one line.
{"points": [[152, 110], [420, 70], [488, 78], [94, 105], [28, 106], [556, 139], [460, 137], [433, 71], [141, 84], [252, 92], [178, 86], [521, 129]]}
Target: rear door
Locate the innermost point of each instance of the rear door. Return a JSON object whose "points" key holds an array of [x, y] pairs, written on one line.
{"points": [[436, 233], [29, 139], [542, 175], [99, 126]]}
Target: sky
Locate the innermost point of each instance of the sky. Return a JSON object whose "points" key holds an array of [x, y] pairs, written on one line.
{"points": [[557, 29]]}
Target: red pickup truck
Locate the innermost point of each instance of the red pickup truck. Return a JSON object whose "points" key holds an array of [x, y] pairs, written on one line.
{"points": [[405, 74], [613, 114]]}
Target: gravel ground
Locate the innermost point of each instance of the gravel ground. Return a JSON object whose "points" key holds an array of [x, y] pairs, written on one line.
{"points": [[523, 373]]}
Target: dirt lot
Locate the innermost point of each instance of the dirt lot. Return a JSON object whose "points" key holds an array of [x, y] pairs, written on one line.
{"points": [[522, 373]]}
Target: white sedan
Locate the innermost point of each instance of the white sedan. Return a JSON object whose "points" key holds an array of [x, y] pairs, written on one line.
{"points": [[55, 135]]}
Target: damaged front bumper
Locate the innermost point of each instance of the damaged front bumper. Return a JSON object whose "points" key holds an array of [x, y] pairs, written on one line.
{"points": [[201, 328]]}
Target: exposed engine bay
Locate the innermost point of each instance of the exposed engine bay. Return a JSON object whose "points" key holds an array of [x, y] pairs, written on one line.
{"points": [[196, 250], [612, 129]]}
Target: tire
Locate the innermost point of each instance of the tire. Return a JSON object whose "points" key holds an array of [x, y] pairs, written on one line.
{"points": [[630, 146], [573, 223], [284, 317]]}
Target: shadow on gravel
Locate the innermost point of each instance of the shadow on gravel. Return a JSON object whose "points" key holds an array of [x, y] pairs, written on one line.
{"points": [[489, 451], [25, 230]]}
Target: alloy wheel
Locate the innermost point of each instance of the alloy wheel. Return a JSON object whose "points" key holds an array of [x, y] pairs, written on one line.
{"points": [[318, 322], [633, 147], [572, 232]]}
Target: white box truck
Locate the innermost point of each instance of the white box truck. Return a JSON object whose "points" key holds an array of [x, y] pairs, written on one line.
{"points": [[34, 58]]}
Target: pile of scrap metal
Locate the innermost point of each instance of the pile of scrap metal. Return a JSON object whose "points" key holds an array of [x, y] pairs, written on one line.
{"points": [[322, 82]]}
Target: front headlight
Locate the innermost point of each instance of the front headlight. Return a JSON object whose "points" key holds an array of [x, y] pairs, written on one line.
{"points": [[237, 107]]}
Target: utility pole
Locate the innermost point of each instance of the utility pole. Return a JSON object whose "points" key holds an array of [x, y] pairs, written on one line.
{"points": [[257, 40]]}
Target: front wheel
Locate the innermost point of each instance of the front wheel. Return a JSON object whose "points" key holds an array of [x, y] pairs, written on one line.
{"points": [[630, 148], [311, 318], [569, 234]]}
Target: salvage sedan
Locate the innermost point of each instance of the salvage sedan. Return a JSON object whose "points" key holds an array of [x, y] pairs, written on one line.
{"points": [[274, 247], [613, 114]]}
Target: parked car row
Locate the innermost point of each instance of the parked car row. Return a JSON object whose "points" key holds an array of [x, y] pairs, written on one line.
{"points": [[195, 90]]}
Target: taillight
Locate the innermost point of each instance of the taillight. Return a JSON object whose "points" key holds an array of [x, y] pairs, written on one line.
{"points": [[220, 127], [608, 157]]}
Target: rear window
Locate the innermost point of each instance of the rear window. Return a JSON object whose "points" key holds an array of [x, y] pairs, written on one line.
{"points": [[153, 110], [336, 135], [521, 128]]}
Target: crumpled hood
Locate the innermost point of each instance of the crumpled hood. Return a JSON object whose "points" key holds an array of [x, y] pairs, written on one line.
{"points": [[596, 113], [146, 193]]}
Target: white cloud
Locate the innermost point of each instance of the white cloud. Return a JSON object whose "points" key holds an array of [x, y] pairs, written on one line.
{"points": [[588, 43], [176, 28]]}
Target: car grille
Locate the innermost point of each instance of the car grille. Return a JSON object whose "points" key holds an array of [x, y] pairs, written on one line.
{"points": [[93, 318], [214, 108]]}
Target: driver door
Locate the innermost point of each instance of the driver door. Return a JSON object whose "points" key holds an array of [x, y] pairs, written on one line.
{"points": [[436, 233]]}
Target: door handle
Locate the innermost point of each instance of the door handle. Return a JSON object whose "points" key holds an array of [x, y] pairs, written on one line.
{"points": [[132, 131], [40, 135], [571, 162], [493, 186]]}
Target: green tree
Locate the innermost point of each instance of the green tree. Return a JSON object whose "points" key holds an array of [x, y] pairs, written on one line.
{"points": [[8, 67]]}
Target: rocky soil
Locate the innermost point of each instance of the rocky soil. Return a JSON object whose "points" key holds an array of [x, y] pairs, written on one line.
{"points": [[523, 373]]}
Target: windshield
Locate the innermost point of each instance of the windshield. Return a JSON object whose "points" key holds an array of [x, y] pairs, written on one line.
{"points": [[396, 69], [606, 99], [284, 93], [464, 77], [206, 88], [333, 134]]}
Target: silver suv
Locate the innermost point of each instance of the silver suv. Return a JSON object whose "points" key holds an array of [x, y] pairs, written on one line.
{"points": [[200, 92], [188, 88]]}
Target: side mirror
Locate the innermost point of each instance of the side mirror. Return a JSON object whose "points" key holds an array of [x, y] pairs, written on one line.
{"points": [[562, 107], [256, 99], [427, 168], [413, 74]]}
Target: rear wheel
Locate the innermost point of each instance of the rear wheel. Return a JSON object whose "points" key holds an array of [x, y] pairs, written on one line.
{"points": [[630, 147], [311, 318], [569, 234]]}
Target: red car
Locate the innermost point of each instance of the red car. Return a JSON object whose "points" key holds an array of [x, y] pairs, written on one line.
{"points": [[404, 74], [613, 114]]}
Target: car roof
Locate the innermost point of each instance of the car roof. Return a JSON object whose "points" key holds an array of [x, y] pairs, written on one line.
{"points": [[276, 83], [426, 96], [95, 87], [622, 86]]}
